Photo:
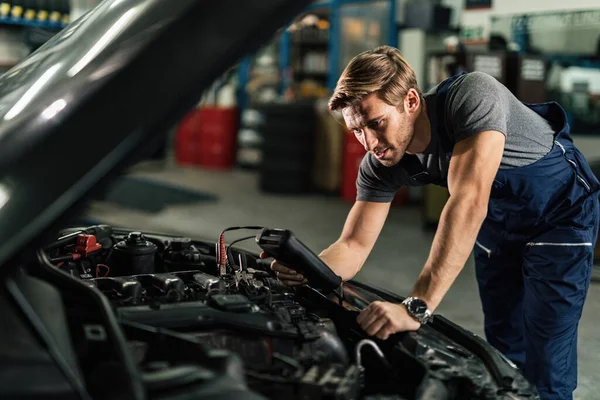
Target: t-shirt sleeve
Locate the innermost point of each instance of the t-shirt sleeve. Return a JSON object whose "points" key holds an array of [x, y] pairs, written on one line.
{"points": [[377, 183], [477, 103]]}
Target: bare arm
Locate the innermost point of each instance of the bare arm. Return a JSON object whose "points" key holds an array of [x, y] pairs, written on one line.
{"points": [[362, 228], [347, 255], [474, 165]]}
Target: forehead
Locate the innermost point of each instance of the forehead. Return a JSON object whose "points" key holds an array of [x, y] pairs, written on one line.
{"points": [[359, 113]]}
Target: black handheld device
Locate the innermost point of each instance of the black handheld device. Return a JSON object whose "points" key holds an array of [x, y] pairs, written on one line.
{"points": [[289, 251]]}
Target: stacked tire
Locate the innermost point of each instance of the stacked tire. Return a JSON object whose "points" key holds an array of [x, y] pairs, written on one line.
{"points": [[288, 133], [249, 151]]}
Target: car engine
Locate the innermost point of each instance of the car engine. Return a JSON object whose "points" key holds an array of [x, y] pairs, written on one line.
{"points": [[293, 342]]}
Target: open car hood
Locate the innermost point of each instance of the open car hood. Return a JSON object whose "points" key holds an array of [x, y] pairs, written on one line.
{"points": [[105, 89]]}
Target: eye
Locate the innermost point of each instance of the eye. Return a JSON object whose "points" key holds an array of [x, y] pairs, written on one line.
{"points": [[375, 124], [357, 132]]}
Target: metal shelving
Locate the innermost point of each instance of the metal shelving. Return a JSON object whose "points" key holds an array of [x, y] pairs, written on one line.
{"points": [[34, 23], [35, 14], [332, 45], [333, 8]]}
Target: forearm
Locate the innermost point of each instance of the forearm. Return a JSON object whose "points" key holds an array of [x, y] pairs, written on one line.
{"points": [[345, 258], [457, 231]]}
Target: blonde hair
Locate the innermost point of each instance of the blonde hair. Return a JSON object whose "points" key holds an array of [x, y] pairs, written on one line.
{"points": [[383, 71]]}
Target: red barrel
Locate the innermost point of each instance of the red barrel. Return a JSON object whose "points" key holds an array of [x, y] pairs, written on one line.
{"points": [[353, 155], [187, 139], [217, 140]]}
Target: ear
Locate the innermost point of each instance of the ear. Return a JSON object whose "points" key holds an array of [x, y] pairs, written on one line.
{"points": [[412, 101]]}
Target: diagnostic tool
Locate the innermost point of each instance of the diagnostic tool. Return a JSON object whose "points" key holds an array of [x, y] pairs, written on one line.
{"points": [[282, 245]]}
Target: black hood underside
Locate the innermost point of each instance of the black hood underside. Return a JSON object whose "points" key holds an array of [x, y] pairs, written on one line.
{"points": [[84, 105]]}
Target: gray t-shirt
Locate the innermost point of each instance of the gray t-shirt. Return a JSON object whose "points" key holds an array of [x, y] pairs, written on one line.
{"points": [[475, 102]]}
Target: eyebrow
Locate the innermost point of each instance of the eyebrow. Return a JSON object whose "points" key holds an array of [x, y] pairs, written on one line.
{"points": [[367, 123]]}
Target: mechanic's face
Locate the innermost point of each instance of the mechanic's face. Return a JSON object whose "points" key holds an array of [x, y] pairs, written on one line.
{"points": [[383, 129]]}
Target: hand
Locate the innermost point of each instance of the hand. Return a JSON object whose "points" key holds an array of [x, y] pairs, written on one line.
{"points": [[286, 275], [383, 319]]}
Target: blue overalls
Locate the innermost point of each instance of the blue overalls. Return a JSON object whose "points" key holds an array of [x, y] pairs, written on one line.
{"points": [[534, 253]]}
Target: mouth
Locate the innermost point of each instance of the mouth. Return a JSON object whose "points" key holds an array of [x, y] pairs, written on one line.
{"points": [[381, 154]]}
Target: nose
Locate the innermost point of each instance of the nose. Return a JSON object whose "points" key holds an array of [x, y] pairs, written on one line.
{"points": [[371, 140]]}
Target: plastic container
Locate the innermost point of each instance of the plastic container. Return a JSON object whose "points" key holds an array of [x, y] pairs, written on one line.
{"points": [[218, 128], [353, 155], [187, 138]]}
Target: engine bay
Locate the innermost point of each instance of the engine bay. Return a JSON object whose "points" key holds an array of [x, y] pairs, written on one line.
{"points": [[293, 342]]}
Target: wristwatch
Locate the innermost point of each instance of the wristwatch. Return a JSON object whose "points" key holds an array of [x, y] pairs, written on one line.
{"points": [[417, 308]]}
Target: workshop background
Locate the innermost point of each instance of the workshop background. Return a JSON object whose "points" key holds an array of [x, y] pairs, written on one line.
{"points": [[261, 149]]}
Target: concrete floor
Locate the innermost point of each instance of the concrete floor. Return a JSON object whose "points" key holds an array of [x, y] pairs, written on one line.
{"points": [[394, 263]]}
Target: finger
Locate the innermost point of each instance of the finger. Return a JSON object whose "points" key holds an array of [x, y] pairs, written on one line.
{"points": [[371, 313], [385, 331], [264, 254], [368, 320], [289, 277], [362, 315], [376, 326], [294, 283], [372, 319], [292, 277], [365, 314], [383, 334], [275, 266]]}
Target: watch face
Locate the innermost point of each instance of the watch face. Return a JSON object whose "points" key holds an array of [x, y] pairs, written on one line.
{"points": [[417, 307]]}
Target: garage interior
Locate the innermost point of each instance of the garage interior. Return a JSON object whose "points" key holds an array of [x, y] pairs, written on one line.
{"points": [[261, 149]]}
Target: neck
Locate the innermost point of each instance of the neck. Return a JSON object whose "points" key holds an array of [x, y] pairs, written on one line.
{"points": [[422, 135]]}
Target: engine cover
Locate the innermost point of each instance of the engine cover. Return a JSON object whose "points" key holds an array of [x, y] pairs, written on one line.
{"points": [[256, 318]]}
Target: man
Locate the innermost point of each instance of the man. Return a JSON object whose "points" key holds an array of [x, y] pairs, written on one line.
{"points": [[522, 197]]}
